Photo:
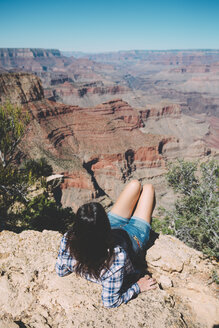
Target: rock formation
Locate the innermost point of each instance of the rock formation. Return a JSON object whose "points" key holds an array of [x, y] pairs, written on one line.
{"points": [[28, 53], [33, 296], [20, 88], [165, 57], [100, 148], [138, 77], [204, 68], [28, 59], [68, 91]]}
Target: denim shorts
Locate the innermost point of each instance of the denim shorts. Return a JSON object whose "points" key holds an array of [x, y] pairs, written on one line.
{"points": [[138, 229]]}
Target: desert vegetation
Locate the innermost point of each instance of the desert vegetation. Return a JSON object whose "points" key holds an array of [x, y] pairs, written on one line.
{"points": [[25, 201], [194, 219]]}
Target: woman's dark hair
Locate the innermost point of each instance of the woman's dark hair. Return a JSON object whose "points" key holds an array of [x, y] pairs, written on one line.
{"points": [[90, 242]]}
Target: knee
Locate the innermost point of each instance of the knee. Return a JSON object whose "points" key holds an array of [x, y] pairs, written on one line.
{"points": [[135, 185], [149, 188]]}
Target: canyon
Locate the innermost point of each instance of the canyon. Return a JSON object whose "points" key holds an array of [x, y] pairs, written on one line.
{"points": [[101, 120], [99, 149], [188, 77]]}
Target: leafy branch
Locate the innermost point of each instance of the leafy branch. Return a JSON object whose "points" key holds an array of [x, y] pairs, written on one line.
{"points": [[194, 218]]}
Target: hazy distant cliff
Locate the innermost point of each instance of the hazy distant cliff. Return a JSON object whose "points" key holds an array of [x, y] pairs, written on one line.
{"points": [[30, 59], [28, 52]]}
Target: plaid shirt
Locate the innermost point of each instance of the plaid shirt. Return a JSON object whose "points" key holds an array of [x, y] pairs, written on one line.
{"points": [[111, 280]]}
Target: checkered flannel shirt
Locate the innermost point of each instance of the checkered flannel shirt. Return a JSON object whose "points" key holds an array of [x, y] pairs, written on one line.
{"points": [[111, 280]]}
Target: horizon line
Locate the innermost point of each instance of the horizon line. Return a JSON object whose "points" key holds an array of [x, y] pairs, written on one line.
{"points": [[112, 51]]}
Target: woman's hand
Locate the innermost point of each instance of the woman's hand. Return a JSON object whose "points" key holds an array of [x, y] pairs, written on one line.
{"points": [[146, 283]]}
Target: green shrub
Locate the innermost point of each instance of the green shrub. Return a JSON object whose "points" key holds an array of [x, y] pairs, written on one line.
{"points": [[13, 123], [43, 213], [194, 219], [40, 212], [13, 184], [215, 277], [38, 168]]}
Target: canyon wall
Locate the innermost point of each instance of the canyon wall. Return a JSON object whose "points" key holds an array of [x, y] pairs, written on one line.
{"points": [[28, 53], [99, 149], [20, 88], [141, 78]]}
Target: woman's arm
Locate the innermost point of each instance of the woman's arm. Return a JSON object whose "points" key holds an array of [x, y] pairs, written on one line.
{"points": [[111, 295], [65, 263], [112, 282]]}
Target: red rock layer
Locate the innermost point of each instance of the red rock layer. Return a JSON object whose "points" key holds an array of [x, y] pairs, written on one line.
{"points": [[112, 127], [170, 110], [100, 142], [67, 89]]}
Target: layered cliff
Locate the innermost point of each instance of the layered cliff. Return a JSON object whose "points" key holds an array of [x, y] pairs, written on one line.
{"points": [[66, 89], [100, 148], [162, 57], [138, 77], [20, 88], [31, 59], [28, 52], [97, 148]]}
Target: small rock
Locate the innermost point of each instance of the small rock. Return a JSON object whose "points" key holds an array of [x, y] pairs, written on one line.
{"points": [[165, 282], [169, 264]]}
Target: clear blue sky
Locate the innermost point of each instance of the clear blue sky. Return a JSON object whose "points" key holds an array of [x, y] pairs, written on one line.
{"points": [[95, 26]]}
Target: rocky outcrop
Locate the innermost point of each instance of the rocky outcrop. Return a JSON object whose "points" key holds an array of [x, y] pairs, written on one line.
{"points": [[33, 296], [20, 88], [187, 278], [68, 90], [159, 111]]}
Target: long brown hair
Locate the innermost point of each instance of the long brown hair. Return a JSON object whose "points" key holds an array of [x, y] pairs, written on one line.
{"points": [[91, 242]]}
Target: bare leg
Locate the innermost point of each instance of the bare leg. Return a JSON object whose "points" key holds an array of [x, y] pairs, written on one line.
{"points": [[146, 203], [127, 199]]}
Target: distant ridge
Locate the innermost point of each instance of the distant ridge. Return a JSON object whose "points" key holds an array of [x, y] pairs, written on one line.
{"points": [[43, 52], [29, 52], [81, 54], [30, 59]]}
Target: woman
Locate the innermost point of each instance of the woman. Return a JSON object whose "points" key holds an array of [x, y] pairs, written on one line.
{"points": [[107, 249]]}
